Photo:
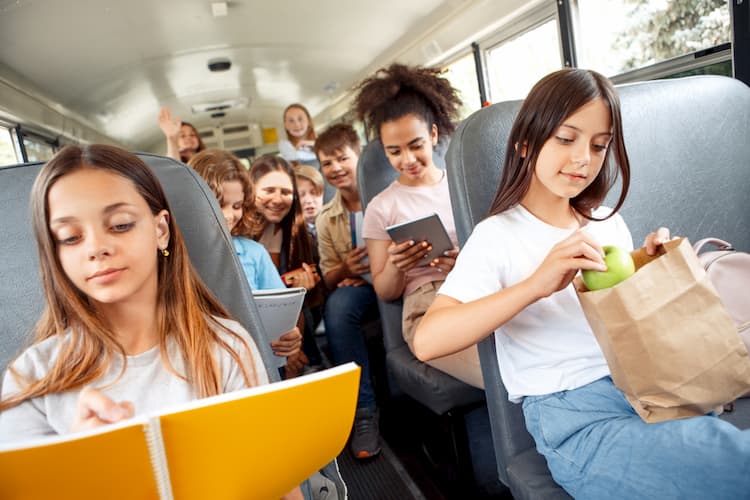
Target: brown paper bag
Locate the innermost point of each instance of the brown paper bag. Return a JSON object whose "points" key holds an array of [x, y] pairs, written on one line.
{"points": [[669, 342]]}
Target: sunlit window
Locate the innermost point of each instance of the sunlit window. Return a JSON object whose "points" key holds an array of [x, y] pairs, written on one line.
{"points": [[620, 35], [37, 150], [7, 151], [462, 74], [515, 65]]}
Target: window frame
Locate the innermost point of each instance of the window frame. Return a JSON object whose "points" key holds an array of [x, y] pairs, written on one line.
{"points": [[22, 133], [455, 57], [515, 28], [678, 64], [11, 129], [668, 67]]}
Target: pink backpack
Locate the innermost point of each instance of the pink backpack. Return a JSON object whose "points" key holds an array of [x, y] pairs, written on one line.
{"points": [[729, 271]]}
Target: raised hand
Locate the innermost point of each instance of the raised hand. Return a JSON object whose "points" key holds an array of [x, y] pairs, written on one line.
{"points": [[168, 125]]}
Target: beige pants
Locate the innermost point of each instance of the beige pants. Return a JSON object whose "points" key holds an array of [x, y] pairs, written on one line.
{"points": [[463, 365]]}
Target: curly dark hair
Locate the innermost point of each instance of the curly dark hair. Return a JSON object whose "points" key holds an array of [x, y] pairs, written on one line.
{"points": [[400, 90]]}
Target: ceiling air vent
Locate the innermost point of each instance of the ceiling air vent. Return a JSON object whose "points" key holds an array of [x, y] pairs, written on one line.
{"points": [[237, 129], [212, 107]]}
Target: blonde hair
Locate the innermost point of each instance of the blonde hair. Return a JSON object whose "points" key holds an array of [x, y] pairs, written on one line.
{"points": [[309, 173], [184, 304], [217, 166]]}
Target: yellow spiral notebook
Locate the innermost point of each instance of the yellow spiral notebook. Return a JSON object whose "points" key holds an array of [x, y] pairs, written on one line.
{"points": [[254, 443]]}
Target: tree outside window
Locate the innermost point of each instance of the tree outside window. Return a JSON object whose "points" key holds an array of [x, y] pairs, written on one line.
{"points": [[620, 35]]}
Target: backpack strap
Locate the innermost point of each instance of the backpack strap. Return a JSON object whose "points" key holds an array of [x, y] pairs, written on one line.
{"points": [[720, 244]]}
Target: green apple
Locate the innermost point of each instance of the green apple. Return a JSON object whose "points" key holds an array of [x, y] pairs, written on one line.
{"points": [[619, 267]]}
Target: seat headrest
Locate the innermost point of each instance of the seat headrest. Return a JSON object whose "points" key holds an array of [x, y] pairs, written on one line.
{"points": [[375, 172], [688, 147], [194, 209]]}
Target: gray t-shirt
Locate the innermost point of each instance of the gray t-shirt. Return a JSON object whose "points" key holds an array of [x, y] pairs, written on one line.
{"points": [[147, 383]]}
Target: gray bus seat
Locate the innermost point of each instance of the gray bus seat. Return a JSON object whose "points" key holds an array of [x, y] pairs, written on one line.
{"points": [[194, 208], [432, 388], [687, 140]]}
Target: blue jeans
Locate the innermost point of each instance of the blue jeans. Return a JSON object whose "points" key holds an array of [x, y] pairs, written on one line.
{"points": [[597, 447], [346, 310]]}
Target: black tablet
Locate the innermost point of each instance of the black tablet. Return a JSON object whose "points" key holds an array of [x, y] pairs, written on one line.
{"points": [[429, 228]]}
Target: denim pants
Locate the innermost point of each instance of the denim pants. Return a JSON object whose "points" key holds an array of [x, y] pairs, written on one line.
{"points": [[346, 309], [597, 447]]}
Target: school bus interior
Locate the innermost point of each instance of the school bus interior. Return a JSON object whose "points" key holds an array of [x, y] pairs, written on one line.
{"points": [[80, 72]]}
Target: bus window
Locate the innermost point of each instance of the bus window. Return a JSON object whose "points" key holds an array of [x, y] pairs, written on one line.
{"points": [[7, 150], [640, 33], [37, 148], [462, 73], [515, 64]]}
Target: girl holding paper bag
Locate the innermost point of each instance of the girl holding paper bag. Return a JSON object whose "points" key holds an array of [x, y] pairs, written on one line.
{"points": [[514, 276]]}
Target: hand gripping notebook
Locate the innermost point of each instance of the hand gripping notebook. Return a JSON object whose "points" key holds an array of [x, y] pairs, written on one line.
{"points": [[429, 228], [245, 444], [279, 310]]}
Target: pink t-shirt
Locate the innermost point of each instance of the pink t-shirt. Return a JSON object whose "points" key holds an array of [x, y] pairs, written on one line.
{"points": [[398, 203]]}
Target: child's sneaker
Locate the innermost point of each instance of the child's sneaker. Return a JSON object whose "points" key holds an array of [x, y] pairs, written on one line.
{"points": [[365, 441]]}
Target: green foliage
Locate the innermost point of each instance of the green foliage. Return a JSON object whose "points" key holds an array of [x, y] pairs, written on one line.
{"points": [[664, 29]]}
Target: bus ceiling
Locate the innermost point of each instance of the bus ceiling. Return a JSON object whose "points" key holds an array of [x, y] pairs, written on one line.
{"points": [[78, 71]]}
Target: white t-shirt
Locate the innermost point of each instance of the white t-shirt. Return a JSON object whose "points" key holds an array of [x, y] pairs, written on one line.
{"points": [[547, 347], [147, 383], [399, 203], [302, 154]]}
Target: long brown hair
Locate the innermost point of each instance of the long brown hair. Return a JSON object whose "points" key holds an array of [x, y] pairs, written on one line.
{"points": [[184, 306], [309, 133], [296, 243], [554, 98], [400, 90], [200, 147], [217, 166]]}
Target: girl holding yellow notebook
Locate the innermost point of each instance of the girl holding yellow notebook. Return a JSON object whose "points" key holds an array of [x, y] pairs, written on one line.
{"points": [[128, 326]]}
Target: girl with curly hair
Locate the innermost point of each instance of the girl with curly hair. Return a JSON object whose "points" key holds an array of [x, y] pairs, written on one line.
{"points": [[411, 109]]}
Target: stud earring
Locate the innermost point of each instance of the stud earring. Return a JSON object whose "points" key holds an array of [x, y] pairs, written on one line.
{"points": [[165, 252]]}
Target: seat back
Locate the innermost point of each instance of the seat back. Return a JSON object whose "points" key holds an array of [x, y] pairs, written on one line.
{"points": [[689, 152], [194, 208], [197, 213], [434, 389], [474, 160], [374, 174]]}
